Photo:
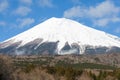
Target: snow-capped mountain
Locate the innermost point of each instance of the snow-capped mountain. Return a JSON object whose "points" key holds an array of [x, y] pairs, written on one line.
{"points": [[61, 36]]}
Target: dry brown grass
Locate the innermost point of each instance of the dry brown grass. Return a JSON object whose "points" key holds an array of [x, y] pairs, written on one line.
{"points": [[35, 74], [6, 68], [84, 76], [8, 72]]}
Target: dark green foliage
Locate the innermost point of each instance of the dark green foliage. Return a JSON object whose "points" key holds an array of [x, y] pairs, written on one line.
{"points": [[118, 76], [51, 70], [102, 75], [116, 73], [27, 62], [65, 63], [60, 71], [68, 72], [93, 76], [71, 73], [92, 66], [84, 65], [29, 68]]}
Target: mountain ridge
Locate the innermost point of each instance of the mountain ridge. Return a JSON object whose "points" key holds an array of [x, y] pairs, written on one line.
{"points": [[61, 31]]}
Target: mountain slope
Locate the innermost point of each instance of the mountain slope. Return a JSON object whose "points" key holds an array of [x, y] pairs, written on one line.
{"points": [[61, 33]]}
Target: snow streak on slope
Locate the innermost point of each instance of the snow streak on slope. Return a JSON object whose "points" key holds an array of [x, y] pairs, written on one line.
{"points": [[66, 30]]}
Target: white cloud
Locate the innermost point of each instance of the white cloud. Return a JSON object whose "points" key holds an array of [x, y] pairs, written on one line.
{"points": [[104, 9], [28, 2], [105, 21], [101, 14], [2, 23], [101, 22], [25, 22], [115, 19], [22, 10], [75, 12], [3, 5], [45, 3]]}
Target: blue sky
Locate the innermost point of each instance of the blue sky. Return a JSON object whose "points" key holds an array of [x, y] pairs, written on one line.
{"points": [[17, 16]]}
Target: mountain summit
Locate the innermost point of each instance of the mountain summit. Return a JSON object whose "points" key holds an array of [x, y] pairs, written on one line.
{"points": [[61, 36]]}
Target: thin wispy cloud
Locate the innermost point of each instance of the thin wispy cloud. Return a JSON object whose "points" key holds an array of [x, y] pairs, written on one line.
{"points": [[75, 12], [76, 1], [45, 3], [3, 5], [101, 14], [117, 30], [25, 22], [22, 11], [105, 21], [27, 2], [2, 23]]}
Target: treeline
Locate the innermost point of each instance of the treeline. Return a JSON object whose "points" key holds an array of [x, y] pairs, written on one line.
{"points": [[8, 71], [69, 73]]}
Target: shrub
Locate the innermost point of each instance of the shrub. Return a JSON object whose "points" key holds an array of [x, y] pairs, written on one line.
{"points": [[71, 73], [116, 73], [60, 71], [102, 75], [29, 67], [6, 68], [93, 76], [68, 72], [51, 70]]}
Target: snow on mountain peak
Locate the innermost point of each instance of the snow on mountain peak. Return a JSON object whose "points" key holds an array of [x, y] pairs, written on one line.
{"points": [[66, 30]]}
